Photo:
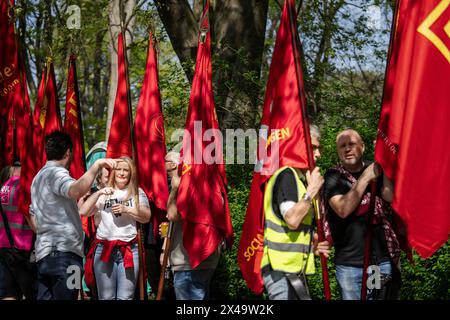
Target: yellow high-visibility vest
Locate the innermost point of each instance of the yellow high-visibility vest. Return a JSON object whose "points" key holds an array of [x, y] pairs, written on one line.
{"points": [[286, 250]]}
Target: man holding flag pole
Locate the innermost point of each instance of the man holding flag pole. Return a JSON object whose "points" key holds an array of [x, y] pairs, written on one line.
{"points": [[284, 251], [198, 202]]}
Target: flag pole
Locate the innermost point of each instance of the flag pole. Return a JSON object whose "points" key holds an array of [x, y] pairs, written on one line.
{"points": [[72, 64], [297, 61], [162, 276], [368, 239], [133, 148]]}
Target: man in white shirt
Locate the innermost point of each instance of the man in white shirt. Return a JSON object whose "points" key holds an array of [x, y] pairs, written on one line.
{"points": [[54, 211]]}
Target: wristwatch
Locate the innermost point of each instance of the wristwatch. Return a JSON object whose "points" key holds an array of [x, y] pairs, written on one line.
{"points": [[307, 198]]}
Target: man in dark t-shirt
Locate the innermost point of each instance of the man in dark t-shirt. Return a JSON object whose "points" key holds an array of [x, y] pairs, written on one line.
{"points": [[345, 189]]}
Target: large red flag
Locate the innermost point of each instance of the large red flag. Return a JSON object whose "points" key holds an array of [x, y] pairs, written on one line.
{"points": [[47, 116], [413, 137], [150, 140], [119, 141], [202, 197], [282, 143], [13, 92], [46, 119], [73, 124]]}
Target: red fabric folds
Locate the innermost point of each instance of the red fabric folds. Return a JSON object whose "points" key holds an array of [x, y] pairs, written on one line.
{"points": [[73, 124], [202, 196], [47, 118], [150, 141], [413, 137], [282, 143], [119, 141]]}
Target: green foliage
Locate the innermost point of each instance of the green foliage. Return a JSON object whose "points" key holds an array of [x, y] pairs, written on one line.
{"points": [[228, 282], [427, 279]]}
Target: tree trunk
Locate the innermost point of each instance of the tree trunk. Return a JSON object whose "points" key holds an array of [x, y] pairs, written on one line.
{"points": [[238, 32], [182, 28]]}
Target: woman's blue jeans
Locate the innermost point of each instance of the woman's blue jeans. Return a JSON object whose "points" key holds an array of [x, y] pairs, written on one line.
{"points": [[114, 282]]}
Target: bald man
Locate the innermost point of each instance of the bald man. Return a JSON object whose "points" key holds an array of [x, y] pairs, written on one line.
{"points": [[347, 195]]}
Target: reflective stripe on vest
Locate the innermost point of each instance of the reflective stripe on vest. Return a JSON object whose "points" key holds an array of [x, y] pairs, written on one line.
{"points": [[21, 233], [285, 249]]}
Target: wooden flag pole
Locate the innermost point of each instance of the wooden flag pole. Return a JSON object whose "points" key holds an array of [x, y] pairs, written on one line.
{"points": [[167, 249], [311, 164]]}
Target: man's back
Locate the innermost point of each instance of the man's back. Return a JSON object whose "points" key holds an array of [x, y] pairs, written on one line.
{"points": [[57, 218]]}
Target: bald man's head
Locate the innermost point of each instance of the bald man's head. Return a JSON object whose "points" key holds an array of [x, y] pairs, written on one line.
{"points": [[347, 133], [172, 160], [173, 156], [350, 148]]}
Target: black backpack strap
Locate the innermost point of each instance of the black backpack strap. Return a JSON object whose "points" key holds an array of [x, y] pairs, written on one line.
{"points": [[7, 228], [299, 286]]}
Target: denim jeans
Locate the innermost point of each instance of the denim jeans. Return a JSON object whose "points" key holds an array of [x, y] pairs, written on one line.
{"points": [[350, 280], [54, 273], [192, 284], [114, 282], [278, 286]]}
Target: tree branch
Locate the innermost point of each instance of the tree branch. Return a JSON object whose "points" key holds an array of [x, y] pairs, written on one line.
{"points": [[182, 28], [279, 4]]}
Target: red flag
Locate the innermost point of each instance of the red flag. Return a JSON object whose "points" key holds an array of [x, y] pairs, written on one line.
{"points": [[202, 197], [119, 141], [30, 167], [282, 143], [150, 140], [10, 136], [13, 94], [73, 121], [24, 112], [46, 119], [73, 126], [413, 137], [47, 116], [31, 162]]}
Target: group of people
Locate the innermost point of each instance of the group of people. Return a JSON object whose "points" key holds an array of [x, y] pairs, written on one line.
{"points": [[41, 252], [345, 192]]}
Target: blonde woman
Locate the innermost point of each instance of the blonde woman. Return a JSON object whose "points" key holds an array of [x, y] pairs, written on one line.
{"points": [[113, 258]]}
